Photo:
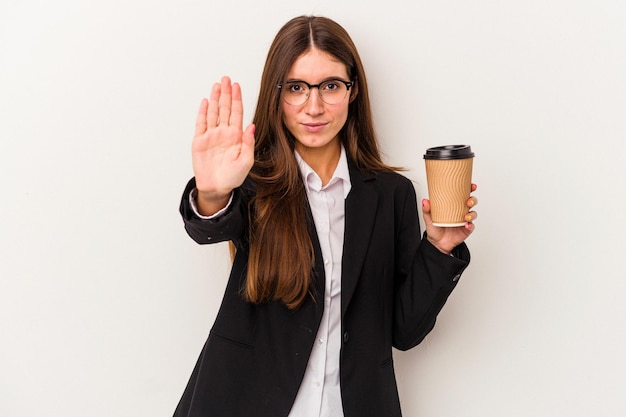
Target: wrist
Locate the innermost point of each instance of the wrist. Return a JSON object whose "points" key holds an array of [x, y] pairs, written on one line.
{"points": [[209, 203], [438, 246], [211, 197]]}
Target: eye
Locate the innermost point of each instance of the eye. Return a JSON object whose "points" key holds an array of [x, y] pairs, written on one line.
{"points": [[296, 88], [331, 86]]}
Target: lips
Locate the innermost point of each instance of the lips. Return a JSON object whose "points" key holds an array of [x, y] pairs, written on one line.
{"points": [[313, 127]]}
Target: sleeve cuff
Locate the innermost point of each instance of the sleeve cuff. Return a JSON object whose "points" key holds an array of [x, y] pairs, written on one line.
{"points": [[192, 202]]}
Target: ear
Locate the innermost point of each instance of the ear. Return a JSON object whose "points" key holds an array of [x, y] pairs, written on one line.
{"points": [[354, 91]]}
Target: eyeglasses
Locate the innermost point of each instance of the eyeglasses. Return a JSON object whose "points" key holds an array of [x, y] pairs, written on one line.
{"points": [[331, 91]]}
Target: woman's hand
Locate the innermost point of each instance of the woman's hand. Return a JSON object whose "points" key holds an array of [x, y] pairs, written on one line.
{"points": [[447, 238], [222, 152]]}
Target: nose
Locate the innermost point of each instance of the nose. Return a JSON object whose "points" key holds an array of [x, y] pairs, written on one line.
{"points": [[314, 104]]}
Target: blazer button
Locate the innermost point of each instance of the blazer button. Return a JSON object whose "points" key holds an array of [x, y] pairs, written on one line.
{"points": [[346, 336]]}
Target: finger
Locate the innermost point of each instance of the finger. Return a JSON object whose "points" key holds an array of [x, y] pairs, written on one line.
{"points": [[212, 113], [471, 216], [474, 187], [472, 202], [201, 119], [237, 106], [225, 102]]}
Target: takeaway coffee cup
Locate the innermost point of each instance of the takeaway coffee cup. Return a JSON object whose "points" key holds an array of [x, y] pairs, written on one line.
{"points": [[449, 177]]}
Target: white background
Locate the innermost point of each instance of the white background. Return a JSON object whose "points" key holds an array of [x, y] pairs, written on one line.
{"points": [[104, 300]]}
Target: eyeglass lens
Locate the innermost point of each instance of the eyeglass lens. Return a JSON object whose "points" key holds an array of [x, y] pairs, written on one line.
{"points": [[297, 92]]}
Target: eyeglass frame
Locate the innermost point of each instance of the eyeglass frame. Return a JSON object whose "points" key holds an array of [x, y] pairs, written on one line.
{"points": [[348, 84]]}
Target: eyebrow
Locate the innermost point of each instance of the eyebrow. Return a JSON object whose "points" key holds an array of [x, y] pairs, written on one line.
{"points": [[294, 80]]}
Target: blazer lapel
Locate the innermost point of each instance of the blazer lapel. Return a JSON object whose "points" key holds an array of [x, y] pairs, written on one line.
{"points": [[360, 213], [318, 275]]}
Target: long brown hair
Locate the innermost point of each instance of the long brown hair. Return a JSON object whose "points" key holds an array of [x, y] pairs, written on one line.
{"points": [[281, 251]]}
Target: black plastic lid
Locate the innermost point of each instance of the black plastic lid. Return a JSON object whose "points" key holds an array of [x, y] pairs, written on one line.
{"points": [[449, 152]]}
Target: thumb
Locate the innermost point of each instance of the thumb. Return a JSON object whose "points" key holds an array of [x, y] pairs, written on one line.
{"points": [[426, 211], [247, 144], [248, 135]]}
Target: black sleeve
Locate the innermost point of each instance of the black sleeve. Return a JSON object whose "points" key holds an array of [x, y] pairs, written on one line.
{"points": [[230, 225], [424, 278]]}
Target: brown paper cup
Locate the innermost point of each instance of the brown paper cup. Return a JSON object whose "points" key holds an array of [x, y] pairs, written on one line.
{"points": [[449, 177]]}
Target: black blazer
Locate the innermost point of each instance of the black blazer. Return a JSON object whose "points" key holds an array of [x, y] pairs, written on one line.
{"points": [[394, 283]]}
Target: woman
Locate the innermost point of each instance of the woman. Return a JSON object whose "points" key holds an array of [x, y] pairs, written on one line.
{"points": [[330, 270]]}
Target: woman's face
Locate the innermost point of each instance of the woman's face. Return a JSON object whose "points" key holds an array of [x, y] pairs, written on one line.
{"points": [[316, 124]]}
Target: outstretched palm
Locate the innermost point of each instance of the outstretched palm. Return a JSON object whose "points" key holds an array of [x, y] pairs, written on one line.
{"points": [[222, 152]]}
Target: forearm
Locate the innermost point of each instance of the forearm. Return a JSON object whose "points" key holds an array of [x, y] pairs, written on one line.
{"points": [[422, 293]]}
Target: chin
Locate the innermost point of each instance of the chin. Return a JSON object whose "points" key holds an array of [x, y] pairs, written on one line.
{"points": [[316, 141]]}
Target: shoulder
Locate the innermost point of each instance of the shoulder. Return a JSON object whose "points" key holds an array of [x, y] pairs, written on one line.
{"points": [[391, 187], [394, 182], [393, 177], [385, 177], [248, 188]]}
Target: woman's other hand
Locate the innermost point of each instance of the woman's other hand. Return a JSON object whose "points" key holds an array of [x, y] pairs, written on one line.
{"points": [[447, 238], [222, 152]]}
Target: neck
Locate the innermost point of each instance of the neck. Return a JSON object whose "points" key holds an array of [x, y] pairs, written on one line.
{"points": [[322, 160]]}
